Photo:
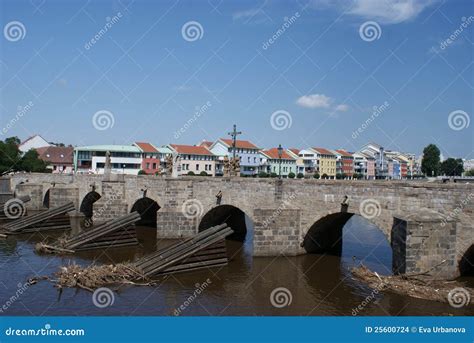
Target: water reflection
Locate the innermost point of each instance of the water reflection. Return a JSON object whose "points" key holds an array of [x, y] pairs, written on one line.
{"points": [[319, 284]]}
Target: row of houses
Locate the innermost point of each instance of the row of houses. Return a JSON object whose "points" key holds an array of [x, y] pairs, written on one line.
{"points": [[208, 158]]}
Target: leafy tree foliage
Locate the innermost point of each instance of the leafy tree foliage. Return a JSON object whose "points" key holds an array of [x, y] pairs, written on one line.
{"points": [[430, 162]]}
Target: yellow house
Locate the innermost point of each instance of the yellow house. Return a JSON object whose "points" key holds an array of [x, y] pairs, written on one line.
{"points": [[326, 162]]}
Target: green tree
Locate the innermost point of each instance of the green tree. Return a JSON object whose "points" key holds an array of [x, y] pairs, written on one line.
{"points": [[141, 172], [203, 173], [9, 157], [31, 162], [191, 173], [430, 161], [316, 175], [262, 174], [300, 175], [324, 176], [291, 175], [452, 167], [470, 172]]}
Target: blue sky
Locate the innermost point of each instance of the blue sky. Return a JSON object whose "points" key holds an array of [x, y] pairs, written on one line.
{"points": [[321, 73]]}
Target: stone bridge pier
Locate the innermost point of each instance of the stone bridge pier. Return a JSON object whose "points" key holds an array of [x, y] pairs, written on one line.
{"points": [[428, 225]]}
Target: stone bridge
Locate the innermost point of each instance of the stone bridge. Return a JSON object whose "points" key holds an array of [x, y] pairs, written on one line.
{"points": [[425, 223]]}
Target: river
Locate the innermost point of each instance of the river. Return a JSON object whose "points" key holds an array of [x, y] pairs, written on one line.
{"points": [[316, 285]]}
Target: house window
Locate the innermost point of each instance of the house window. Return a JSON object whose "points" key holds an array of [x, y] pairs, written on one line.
{"points": [[197, 166]]}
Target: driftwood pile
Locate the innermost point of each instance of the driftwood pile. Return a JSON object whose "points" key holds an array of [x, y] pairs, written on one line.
{"points": [[13, 208], [205, 250], [52, 219], [413, 285], [114, 233]]}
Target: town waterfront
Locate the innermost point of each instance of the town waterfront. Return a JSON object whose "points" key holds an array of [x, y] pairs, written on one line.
{"points": [[319, 284]]}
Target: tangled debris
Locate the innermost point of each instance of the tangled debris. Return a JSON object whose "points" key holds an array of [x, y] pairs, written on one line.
{"points": [[415, 285], [94, 276]]}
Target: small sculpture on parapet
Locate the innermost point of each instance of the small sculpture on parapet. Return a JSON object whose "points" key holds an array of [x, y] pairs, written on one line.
{"points": [[107, 166], [218, 198], [226, 166], [144, 190], [345, 204], [169, 164], [235, 166]]}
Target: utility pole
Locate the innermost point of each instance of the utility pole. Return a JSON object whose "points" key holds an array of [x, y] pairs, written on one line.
{"points": [[234, 134]]}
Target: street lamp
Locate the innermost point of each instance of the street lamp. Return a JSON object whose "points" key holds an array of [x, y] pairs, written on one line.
{"points": [[280, 153]]}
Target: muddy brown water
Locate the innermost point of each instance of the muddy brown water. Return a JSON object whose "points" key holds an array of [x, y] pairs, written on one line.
{"points": [[315, 285]]}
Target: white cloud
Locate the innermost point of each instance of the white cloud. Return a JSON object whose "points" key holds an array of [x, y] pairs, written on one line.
{"points": [[342, 108], [383, 11], [314, 101]]}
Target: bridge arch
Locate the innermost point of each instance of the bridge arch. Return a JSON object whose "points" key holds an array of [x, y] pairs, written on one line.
{"points": [[466, 264], [147, 208], [46, 198], [325, 236], [87, 203], [231, 215]]}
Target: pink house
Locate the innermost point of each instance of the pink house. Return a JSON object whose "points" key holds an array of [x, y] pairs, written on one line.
{"points": [[370, 169]]}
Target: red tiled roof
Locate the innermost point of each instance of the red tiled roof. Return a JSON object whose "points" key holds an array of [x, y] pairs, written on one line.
{"points": [[295, 151], [146, 147], [323, 151], [240, 144], [56, 154], [344, 153], [206, 144], [191, 149], [273, 154]]}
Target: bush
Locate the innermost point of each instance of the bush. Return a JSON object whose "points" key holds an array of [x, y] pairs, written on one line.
{"points": [[273, 175], [191, 173], [203, 173], [300, 176], [291, 175], [324, 176], [142, 172], [262, 174], [316, 175], [339, 176]]}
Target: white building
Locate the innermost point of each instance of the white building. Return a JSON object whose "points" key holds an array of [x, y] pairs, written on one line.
{"points": [[125, 159], [34, 142]]}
